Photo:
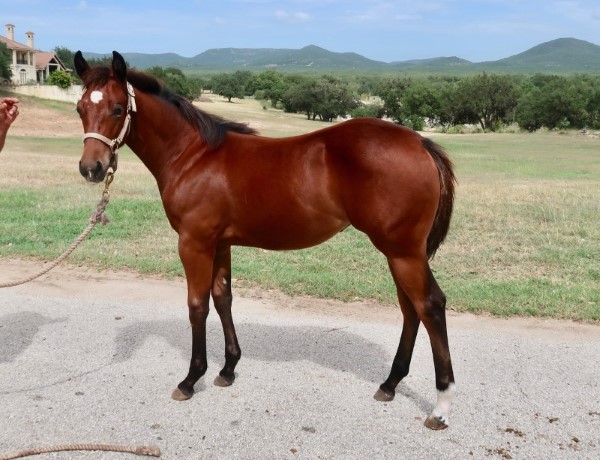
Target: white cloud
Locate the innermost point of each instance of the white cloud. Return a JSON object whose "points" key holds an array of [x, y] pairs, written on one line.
{"points": [[382, 12], [287, 16], [579, 11]]}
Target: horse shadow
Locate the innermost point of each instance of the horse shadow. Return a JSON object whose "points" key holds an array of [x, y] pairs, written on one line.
{"points": [[17, 332], [337, 349]]}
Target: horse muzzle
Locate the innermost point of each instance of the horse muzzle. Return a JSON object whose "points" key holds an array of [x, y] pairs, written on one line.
{"points": [[93, 172]]}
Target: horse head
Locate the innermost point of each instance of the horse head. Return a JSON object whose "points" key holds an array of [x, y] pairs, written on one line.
{"points": [[105, 111]]}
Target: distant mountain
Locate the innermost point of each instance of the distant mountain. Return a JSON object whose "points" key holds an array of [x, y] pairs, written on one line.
{"points": [[434, 64], [143, 61], [283, 59], [564, 55]]}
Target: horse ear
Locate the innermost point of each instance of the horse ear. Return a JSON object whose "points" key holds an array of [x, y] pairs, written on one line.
{"points": [[119, 67], [81, 65]]}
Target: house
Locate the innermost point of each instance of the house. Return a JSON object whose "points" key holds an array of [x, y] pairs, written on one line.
{"points": [[47, 63], [28, 64]]}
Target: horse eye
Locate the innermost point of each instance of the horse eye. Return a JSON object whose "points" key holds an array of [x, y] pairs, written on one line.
{"points": [[118, 111]]}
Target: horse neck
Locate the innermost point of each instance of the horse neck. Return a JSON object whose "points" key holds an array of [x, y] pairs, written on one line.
{"points": [[158, 133]]}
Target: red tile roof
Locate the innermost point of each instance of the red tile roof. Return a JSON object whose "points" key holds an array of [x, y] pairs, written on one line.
{"points": [[11, 44], [42, 59]]}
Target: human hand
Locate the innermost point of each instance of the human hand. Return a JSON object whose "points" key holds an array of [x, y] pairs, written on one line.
{"points": [[9, 110]]}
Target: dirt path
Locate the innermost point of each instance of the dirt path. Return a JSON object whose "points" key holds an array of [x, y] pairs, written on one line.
{"points": [[38, 119], [77, 282]]}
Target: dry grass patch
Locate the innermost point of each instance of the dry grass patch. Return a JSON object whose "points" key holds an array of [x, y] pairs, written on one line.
{"points": [[524, 238]]}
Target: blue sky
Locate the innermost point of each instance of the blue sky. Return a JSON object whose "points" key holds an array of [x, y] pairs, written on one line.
{"points": [[477, 30]]}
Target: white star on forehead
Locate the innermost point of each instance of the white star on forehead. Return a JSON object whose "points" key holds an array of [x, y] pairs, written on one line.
{"points": [[96, 96]]}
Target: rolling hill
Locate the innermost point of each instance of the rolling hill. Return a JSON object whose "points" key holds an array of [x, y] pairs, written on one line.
{"points": [[564, 55], [561, 56]]}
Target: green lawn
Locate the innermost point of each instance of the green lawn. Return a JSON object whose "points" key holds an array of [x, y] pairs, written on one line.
{"points": [[525, 238]]}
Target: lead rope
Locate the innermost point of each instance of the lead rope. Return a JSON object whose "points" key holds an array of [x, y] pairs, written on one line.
{"points": [[97, 216], [149, 451]]}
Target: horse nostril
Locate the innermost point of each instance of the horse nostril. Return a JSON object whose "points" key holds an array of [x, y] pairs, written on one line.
{"points": [[98, 168], [83, 171]]}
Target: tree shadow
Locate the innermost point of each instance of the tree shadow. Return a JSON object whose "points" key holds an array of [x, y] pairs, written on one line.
{"points": [[17, 332]]}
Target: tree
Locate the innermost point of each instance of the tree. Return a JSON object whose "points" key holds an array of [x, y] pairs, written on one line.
{"points": [[5, 61], [558, 102], [374, 110], [391, 91], [65, 55], [270, 83], [326, 97], [421, 102], [593, 109], [229, 85], [488, 100], [176, 81], [300, 97], [334, 98], [367, 84], [449, 114], [529, 113]]}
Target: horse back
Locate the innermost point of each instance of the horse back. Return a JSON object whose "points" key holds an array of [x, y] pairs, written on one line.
{"points": [[295, 192]]}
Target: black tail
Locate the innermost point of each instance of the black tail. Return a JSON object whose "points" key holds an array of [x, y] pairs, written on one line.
{"points": [[441, 223]]}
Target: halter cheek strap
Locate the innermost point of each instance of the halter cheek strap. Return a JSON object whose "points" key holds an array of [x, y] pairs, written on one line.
{"points": [[115, 143]]}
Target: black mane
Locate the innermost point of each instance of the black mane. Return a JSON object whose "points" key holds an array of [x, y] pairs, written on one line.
{"points": [[212, 128]]}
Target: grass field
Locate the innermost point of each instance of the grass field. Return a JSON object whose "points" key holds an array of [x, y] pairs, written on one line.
{"points": [[525, 238]]}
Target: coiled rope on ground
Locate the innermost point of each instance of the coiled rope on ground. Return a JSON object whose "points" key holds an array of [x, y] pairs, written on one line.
{"points": [[149, 451]]}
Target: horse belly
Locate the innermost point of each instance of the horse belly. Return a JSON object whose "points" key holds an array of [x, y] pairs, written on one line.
{"points": [[286, 229]]}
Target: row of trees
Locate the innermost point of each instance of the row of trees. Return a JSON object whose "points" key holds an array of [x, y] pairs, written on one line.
{"points": [[490, 101]]}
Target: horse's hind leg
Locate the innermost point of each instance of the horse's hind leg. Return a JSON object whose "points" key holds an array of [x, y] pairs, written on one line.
{"points": [[223, 298], [413, 277], [401, 364]]}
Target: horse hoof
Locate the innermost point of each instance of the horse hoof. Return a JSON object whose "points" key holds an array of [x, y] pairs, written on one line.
{"points": [[223, 382], [179, 395], [383, 396], [435, 423]]}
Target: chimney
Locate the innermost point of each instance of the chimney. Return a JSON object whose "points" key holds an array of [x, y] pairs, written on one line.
{"points": [[10, 31], [30, 39]]}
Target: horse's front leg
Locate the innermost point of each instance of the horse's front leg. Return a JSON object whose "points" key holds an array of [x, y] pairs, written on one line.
{"points": [[197, 260], [222, 298]]}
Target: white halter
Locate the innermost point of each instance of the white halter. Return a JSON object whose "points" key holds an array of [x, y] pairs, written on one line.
{"points": [[115, 143]]}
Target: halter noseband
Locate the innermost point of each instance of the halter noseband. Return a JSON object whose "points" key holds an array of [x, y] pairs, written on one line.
{"points": [[115, 143]]}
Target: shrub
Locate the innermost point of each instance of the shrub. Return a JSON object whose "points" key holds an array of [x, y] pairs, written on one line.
{"points": [[368, 110], [61, 79]]}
